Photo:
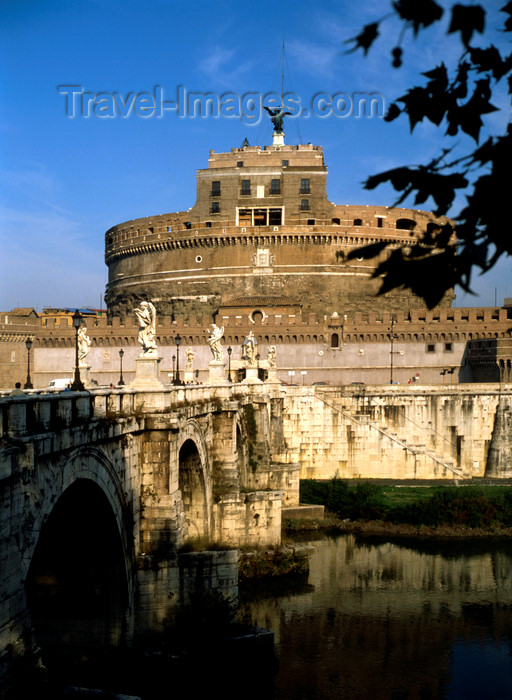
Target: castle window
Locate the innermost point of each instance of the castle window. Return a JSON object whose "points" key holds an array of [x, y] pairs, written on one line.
{"points": [[358, 222], [448, 347], [335, 340], [380, 221], [336, 222], [245, 217], [275, 217], [188, 224], [431, 347], [304, 185], [285, 163], [240, 164], [169, 229], [208, 224], [246, 187], [304, 204], [216, 188], [405, 224], [260, 217], [311, 222], [215, 208], [275, 186]]}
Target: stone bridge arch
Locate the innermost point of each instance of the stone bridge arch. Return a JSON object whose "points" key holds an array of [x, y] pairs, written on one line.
{"points": [[195, 480], [79, 567]]}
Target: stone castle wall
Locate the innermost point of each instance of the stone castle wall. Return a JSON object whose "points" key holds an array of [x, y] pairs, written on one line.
{"points": [[196, 269]]}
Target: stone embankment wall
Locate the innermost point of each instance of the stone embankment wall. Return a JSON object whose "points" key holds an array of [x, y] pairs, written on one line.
{"points": [[415, 432]]}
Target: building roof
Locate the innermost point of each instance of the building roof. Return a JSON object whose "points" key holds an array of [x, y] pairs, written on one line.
{"points": [[23, 311]]}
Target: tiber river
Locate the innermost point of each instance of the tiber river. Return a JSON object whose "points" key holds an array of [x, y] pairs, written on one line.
{"points": [[376, 619]]}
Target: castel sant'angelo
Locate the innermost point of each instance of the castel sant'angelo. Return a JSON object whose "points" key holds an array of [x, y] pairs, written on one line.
{"points": [[262, 229], [264, 250]]}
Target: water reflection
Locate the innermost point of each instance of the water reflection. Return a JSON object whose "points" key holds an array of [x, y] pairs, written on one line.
{"points": [[379, 619]]}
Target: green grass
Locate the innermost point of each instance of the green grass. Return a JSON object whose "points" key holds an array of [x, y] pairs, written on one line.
{"points": [[471, 506]]}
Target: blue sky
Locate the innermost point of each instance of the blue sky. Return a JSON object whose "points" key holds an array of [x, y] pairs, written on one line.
{"points": [[66, 177]]}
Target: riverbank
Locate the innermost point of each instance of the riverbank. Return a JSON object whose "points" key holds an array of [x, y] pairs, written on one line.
{"points": [[330, 524]]}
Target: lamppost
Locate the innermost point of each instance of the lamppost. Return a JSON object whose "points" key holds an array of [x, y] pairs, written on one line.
{"points": [[177, 340], [77, 384], [28, 345], [230, 350], [121, 380], [393, 336], [173, 370], [197, 376]]}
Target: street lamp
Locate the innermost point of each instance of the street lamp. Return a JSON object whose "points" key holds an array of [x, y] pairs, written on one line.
{"points": [[393, 336], [230, 350], [28, 345], [173, 370], [177, 340], [197, 376], [77, 384], [121, 380]]}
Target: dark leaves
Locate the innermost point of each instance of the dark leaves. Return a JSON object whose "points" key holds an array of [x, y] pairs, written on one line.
{"points": [[418, 13], [426, 181], [432, 101], [365, 39], [468, 116], [467, 19], [508, 23], [433, 261], [489, 60], [394, 111], [368, 251]]}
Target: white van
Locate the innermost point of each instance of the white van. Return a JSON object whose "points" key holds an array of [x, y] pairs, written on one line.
{"points": [[60, 383]]}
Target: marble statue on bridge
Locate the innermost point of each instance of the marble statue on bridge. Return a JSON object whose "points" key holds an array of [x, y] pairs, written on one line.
{"points": [[84, 345], [214, 339], [146, 316]]}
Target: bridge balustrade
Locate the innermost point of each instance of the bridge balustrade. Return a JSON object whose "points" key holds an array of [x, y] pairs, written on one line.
{"points": [[39, 413]]}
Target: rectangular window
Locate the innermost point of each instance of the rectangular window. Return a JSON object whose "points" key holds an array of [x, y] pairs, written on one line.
{"points": [[304, 185], [304, 204], [448, 347], [216, 188], [240, 164], [260, 217], [215, 208], [245, 217], [246, 187], [275, 217], [285, 163], [431, 347], [208, 224], [311, 222], [275, 186]]}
